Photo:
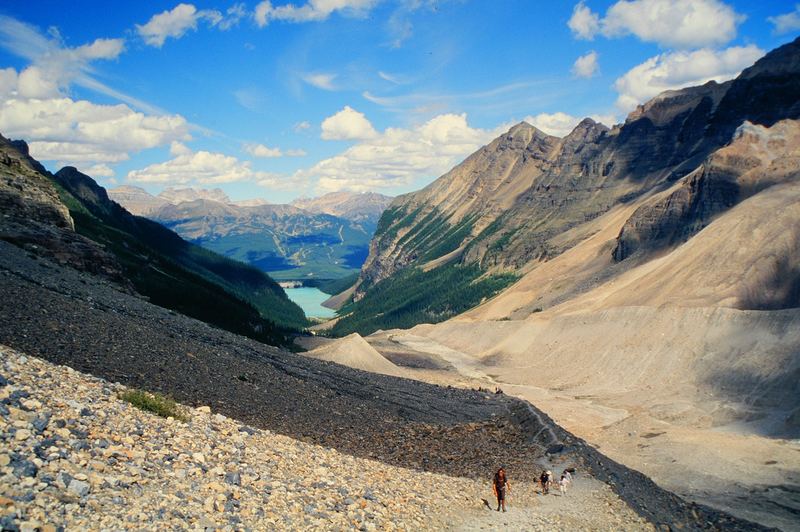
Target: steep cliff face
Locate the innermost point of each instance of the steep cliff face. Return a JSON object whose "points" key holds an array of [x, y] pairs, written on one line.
{"points": [[758, 158], [34, 216], [508, 204], [25, 192]]}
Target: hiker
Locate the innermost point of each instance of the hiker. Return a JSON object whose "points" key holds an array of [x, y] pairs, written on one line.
{"points": [[568, 473], [544, 480], [500, 487], [563, 484]]}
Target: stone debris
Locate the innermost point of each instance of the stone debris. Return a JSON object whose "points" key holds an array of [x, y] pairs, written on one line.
{"points": [[74, 456]]}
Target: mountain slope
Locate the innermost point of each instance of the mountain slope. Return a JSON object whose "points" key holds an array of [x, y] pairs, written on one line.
{"points": [[517, 202], [69, 219], [156, 259]]}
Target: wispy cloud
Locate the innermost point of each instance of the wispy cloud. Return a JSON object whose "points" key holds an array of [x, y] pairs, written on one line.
{"points": [[250, 98], [787, 22], [321, 80], [312, 11], [516, 93]]}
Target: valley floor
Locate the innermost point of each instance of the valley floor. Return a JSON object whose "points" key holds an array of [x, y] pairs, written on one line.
{"points": [[73, 455], [747, 475]]}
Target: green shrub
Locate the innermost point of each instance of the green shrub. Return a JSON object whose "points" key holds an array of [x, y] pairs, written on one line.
{"points": [[154, 402]]}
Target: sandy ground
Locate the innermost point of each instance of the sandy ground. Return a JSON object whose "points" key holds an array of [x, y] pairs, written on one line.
{"points": [[751, 476]]}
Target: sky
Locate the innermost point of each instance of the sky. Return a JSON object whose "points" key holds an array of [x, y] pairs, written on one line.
{"points": [[279, 100]]}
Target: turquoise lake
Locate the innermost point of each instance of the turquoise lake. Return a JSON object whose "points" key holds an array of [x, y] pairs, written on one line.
{"points": [[310, 300]]}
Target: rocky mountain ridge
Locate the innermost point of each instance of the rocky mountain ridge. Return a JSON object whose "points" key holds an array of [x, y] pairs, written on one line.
{"points": [[511, 205]]}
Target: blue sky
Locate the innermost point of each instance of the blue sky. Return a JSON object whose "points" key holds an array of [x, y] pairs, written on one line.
{"points": [[279, 100]]}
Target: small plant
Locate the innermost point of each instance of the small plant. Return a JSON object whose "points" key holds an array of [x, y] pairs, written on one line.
{"points": [[154, 402]]}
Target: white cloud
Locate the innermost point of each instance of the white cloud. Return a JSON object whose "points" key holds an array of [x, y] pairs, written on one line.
{"points": [[586, 65], [584, 23], [301, 126], [184, 17], [260, 150], [321, 81], [391, 78], [671, 23], [53, 67], [681, 69], [61, 129], [196, 167], [558, 124], [95, 170], [35, 106], [174, 23], [399, 157], [561, 124], [788, 22], [235, 13], [347, 124], [313, 10]]}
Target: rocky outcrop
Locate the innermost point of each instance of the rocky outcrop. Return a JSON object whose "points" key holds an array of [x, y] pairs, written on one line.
{"points": [[35, 217], [756, 159], [674, 219], [25, 192]]}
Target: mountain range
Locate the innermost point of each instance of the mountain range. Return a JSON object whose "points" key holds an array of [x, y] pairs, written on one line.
{"points": [[321, 238], [528, 197]]}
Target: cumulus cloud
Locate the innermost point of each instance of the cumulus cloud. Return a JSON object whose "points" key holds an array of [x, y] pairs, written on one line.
{"points": [[34, 103], [321, 81], [671, 23], [61, 129], [399, 156], [586, 65], [680, 69], [558, 124], [786, 23], [561, 124], [176, 22], [312, 11], [584, 23], [95, 170], [262, 151], [172, 23], [347, 124], [196, 167]]}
